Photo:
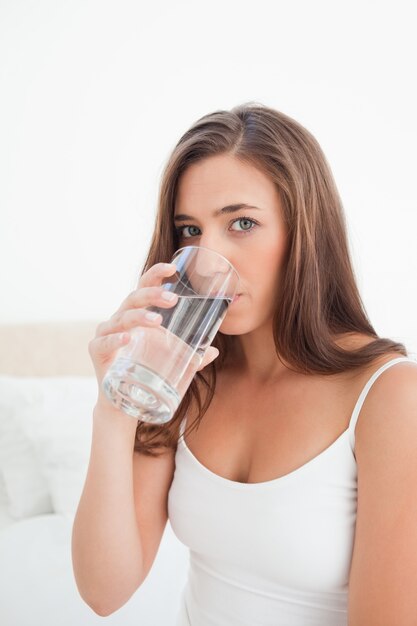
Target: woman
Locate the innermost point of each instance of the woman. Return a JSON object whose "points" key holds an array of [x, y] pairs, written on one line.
{"points": [[289, 467]]}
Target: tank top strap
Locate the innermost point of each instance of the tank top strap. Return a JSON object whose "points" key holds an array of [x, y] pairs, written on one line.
{"points": [[364, 393]]}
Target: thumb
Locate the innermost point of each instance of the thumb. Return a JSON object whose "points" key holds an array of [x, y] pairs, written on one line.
{"points": [[209, 356]]}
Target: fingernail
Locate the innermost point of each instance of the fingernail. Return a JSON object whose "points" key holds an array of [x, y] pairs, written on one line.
{"points": [[151, 316], [168, 295]]}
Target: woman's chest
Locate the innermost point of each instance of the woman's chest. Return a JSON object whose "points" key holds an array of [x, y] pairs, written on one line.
{"points": [[257, 434], [279, 528]]}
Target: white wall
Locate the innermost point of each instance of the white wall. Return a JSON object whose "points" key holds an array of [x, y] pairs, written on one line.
{"points": [[94, 95]]}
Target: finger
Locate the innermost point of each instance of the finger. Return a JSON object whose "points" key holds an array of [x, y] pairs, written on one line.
{"points": [[209, 356], [128, 319], [143, 297], [104, 346], [156, 274], [146, 296]]}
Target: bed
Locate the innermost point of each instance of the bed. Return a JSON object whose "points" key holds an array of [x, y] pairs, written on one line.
{"points": [[47, 392]]}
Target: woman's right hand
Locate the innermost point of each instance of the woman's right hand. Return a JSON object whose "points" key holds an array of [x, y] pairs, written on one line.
{"points": [[113, 333]]}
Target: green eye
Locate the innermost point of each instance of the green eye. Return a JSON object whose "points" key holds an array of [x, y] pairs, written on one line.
{"points": [[245, 219], [254, 223], [180, 230]]}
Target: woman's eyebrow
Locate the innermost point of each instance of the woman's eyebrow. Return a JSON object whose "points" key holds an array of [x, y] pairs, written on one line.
{"points": [[230, 208]]}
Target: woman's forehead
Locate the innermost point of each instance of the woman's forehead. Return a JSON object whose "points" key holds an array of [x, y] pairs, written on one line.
{"points": [[221, 181]]}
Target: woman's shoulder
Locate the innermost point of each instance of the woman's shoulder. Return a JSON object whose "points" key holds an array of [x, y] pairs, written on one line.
{"points": [[356, 341], [392, 383]]}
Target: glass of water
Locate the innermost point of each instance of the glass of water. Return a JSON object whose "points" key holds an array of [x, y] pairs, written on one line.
{"points": [[150, 376]]}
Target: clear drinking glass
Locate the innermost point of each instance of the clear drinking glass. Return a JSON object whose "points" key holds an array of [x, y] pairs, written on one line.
{"points": [[150, 376]]}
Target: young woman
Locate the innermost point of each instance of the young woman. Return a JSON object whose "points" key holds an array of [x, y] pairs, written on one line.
{"points": [[289, 468]]}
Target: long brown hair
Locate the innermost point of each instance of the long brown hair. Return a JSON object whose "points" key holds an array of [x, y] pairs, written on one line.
{"points": [[318, 297]]}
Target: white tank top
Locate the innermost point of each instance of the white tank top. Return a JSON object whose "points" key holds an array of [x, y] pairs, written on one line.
{"points": [[275, 553]]}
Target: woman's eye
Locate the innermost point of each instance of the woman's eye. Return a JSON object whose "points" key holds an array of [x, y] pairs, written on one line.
{"points": [[243, 220], [246, 223], [181, 230]]}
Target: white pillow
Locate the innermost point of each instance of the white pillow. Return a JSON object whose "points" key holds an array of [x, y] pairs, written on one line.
{"points": [[25, 491], [5, 517], [57, 421]]}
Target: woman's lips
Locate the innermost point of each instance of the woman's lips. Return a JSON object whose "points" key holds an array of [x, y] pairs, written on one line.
{"points": [[235, 299]]}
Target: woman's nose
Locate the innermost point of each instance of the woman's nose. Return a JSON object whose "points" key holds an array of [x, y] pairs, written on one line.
{"points": [[210, 263], [213, 270]]}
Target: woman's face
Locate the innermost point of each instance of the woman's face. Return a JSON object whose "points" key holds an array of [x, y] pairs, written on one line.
{"points": [[252, 238]]}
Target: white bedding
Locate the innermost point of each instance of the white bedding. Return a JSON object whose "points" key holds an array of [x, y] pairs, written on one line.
{"points": [[38, 588], [45, 437]]}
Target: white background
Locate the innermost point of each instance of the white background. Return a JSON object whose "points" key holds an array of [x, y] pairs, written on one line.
{"points": [[95, 94]]}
